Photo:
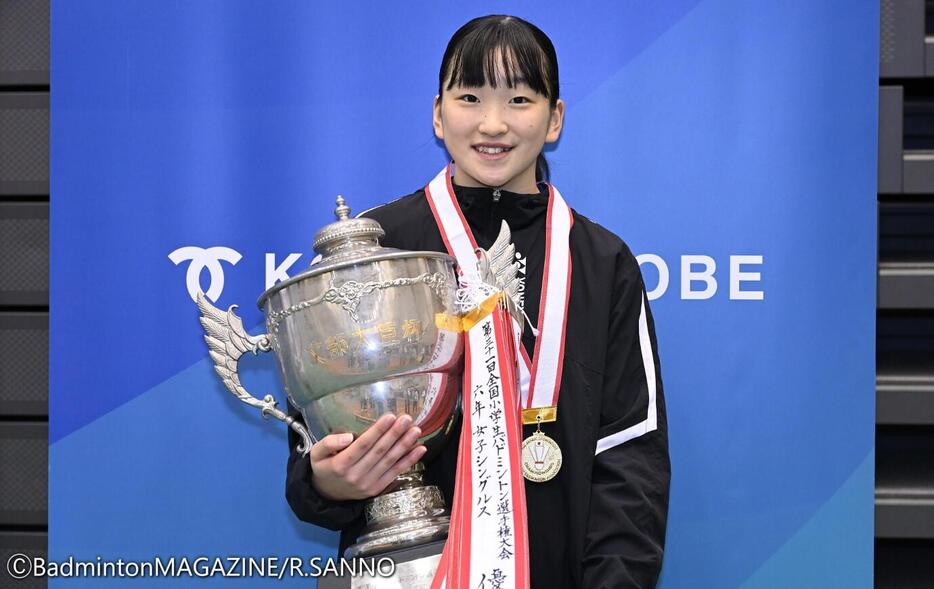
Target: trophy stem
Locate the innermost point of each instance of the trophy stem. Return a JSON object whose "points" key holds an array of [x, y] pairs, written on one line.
{"points": [[408, 513]]}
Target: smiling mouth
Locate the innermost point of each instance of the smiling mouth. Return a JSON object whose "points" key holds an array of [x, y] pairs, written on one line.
{"points": [[492, 152]]}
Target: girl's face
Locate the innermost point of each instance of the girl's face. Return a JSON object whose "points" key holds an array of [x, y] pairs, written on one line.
{"points": [[494, 135]]}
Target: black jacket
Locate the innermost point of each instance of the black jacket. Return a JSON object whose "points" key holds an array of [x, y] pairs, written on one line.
{"points": [[601, 521]]}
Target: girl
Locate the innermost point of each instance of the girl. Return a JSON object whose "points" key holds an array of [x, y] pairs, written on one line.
{"points": [[600, 522]]}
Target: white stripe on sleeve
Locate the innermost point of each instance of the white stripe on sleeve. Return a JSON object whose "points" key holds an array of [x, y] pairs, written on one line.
{"points": [[650, 422]]}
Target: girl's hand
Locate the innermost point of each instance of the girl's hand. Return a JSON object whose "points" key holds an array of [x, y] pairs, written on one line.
{"points": [[344, 468]]}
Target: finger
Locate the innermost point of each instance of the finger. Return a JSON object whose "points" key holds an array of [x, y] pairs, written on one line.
{"points": [[402, 447], [365, 441], [382, 446], [330, 445], [404, 464]]}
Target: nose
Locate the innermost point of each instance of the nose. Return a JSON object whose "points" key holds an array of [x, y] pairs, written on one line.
{"points": [[492, 122]]}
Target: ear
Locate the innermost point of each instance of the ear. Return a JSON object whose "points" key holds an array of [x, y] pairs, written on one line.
{"points": [[436, 118], [556, 122]]}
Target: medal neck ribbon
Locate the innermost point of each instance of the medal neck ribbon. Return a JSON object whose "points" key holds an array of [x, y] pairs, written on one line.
{"points": [[540, 377], [488, 538]]}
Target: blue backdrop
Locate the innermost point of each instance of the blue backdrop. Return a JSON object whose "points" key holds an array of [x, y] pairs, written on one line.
{"points": [[710, 128]]}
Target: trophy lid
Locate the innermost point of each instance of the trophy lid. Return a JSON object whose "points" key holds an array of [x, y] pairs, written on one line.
{"points": [[346, 242], [346, 233]]}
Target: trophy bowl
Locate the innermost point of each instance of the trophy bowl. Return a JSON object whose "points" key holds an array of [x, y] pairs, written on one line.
{"points": [[369, 337], [365, 331]]}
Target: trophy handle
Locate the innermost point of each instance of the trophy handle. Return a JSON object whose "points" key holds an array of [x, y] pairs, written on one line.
{"points": [[228, 341]]}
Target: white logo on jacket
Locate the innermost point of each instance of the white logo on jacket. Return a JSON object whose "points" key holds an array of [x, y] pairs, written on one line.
{"points": [[520, 292]]}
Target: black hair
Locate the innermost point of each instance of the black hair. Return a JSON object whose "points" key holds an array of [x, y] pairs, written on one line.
{"points": [[483, 46]]}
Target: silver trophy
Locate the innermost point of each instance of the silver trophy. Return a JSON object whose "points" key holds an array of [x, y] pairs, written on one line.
{"points": [[364, 331]]}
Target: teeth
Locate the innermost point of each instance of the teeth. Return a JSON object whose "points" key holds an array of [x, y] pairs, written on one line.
{"points": [[484, 149]]}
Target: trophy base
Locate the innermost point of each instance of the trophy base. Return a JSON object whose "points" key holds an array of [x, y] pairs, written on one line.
{"points": [[401, 519], [414, 569]]}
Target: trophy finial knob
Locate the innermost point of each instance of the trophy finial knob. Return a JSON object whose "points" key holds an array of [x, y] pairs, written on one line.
{"points": [[347, 235], [342, 212]]}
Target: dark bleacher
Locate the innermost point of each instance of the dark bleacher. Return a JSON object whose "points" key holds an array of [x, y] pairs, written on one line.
{"points": [[24, 282], [905, 316]]}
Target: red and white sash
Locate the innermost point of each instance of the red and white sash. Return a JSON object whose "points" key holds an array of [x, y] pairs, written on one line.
{"points": [[540, 377], [488, 537]]}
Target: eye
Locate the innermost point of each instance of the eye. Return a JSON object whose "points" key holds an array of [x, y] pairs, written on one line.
{"points": [[468, 98], [521, 100]]}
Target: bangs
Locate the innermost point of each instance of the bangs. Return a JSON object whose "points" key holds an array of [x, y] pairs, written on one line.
{"points": [[502, 50]]}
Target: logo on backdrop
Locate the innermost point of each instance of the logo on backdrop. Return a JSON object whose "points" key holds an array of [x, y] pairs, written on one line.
{"points": [[201, 259], [698, 273], [701, 269]]}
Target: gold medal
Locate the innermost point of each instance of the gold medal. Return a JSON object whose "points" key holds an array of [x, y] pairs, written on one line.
{"points": [[541, 457]]}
